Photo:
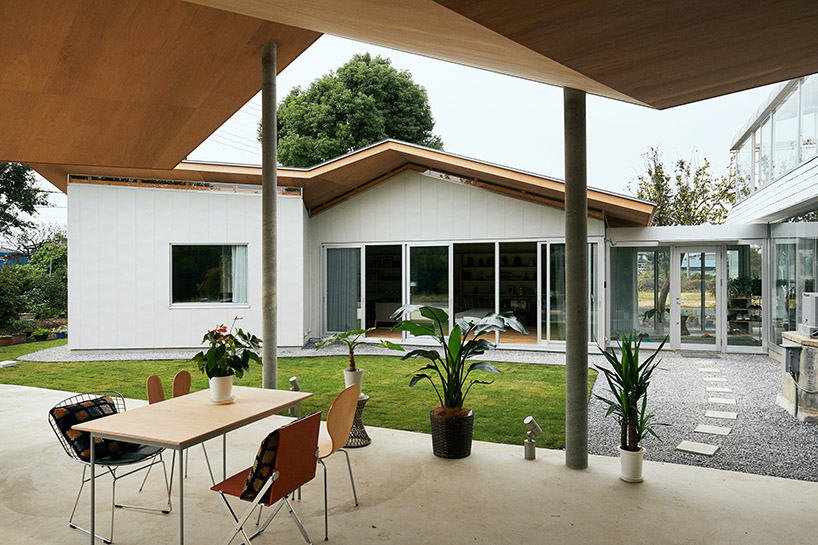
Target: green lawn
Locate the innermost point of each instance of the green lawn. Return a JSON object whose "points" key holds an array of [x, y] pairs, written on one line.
{"points": [[522, 389]]}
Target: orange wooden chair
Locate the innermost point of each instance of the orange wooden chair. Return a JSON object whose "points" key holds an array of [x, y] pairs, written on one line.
{"points": [[339, 423], [181, 386], [285, 462]]}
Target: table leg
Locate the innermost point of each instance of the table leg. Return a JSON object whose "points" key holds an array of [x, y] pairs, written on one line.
{"points": [[181, 499], [93, 487]]}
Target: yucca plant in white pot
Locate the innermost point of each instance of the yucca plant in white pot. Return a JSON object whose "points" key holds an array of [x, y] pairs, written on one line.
{"points": [[628, 382], [351, 338]]}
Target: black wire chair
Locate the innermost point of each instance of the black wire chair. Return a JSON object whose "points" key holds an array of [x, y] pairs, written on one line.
{"points": [[111, 462]]}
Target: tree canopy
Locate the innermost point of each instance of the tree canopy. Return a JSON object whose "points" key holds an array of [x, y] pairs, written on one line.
{"points": [[689, 195], [366, 100], [18, 195]]}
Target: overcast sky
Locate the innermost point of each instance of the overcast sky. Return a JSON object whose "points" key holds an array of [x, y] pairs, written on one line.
{"points": [[510, 121]]}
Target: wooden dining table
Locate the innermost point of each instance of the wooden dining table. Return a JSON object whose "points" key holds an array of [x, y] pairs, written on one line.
{"points": [[185, 421]]}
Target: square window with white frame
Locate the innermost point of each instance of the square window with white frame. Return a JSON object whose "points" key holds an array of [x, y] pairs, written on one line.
{"points": [[208, 273]]}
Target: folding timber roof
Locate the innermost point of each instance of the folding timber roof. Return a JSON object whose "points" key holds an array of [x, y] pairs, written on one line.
{"points": [[336, 180], [141, 83]]}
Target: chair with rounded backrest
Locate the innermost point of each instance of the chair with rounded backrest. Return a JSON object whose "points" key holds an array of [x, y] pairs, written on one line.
{"points": [[110, 455], [181, 386], [339, 424], [285, 461]]}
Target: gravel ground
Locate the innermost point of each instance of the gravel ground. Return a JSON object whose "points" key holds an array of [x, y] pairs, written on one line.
{"points": [[764, 439]]}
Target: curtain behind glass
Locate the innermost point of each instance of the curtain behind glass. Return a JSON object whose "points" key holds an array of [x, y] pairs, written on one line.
{"points": [[343, 289], [239, 274], [557, 295]]}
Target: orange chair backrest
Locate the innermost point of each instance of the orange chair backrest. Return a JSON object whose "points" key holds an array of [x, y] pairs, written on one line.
{"points": [[341, 415], [296, 456], [155, 392], [181, 384]]}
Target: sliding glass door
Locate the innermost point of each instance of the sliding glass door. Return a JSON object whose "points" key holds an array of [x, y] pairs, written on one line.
{"points": [[429, 278], [343, 289]]}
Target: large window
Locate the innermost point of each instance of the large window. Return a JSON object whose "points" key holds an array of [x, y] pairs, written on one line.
{"points": [[809, 117], [208, 273], [785, 145], [744, 304], [640, 288], [781, 141]]}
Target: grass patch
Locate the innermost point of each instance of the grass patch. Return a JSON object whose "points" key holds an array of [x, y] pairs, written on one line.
{"points": [[522, 389]]}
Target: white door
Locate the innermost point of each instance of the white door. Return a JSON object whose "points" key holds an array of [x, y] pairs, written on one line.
{"points": [[696, 313]]}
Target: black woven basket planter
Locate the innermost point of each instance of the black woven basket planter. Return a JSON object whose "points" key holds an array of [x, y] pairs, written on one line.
{"points": [[451, 437]]}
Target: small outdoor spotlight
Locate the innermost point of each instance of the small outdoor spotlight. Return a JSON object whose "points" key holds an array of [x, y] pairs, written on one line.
{"points": [[534, 430], [294, 387]]}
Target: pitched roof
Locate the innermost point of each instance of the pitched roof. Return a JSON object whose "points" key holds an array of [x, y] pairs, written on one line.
{"points": [[336, 180]]}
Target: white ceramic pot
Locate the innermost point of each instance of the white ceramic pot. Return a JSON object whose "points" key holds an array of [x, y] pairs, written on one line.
{"points": [[221, 388], [631, 465], [354, 377]]}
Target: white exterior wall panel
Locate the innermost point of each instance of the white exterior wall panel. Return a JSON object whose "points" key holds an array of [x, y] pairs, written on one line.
{"points": [[119, 264]]}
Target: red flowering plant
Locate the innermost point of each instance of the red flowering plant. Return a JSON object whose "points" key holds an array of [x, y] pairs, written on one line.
{"points": [[230, 352]]}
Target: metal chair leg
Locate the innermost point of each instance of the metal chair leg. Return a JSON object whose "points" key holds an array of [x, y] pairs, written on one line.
{"points": [[209, 469], [297, 521], [326, 524], [351, 478]]}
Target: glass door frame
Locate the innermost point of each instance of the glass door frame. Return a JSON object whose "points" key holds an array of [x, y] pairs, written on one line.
{"points": [[362, 257], [675, 300], [407, 280], [766, 300]]}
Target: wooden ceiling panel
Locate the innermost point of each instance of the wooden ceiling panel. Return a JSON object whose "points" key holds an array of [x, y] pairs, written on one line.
{"points": [[662, 53], [132, 83]]}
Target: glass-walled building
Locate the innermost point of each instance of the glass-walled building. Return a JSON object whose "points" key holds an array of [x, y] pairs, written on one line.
{"points": [[700, 287]]}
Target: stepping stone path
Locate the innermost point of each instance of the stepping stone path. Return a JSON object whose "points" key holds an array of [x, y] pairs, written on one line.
{"points": [[704, 448], [8, 363], [721, 400], [697, 448], [713, 430]]}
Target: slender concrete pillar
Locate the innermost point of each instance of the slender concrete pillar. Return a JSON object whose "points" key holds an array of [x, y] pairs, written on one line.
{"points": [[576, 281], [269, 190]]}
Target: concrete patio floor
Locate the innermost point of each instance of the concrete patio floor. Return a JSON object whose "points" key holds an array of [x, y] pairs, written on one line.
{"points": [[407, 495]]}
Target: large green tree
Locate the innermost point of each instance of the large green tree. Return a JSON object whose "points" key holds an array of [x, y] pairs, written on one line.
{"points": [[689, 195], [19, 195], [364, 101]]}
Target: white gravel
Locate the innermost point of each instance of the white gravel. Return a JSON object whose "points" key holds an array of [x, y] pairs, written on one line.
{"points": [[764, 439]]}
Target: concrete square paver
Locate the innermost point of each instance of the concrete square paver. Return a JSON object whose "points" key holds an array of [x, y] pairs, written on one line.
{"points": [[697, 448], [721, 414], [8, 363], [714, 379], [720, 389], [722, 400], [713, 430]]}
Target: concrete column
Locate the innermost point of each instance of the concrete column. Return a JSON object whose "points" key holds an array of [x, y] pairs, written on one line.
{"points": [[269, 191], [576, 281]]}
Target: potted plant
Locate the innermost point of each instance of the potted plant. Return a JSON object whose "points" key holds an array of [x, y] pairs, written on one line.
{"points": [[20, 330], [628, 382], [452, 424], [351, 339], [229, 355], [61, 332], [41, 334]]}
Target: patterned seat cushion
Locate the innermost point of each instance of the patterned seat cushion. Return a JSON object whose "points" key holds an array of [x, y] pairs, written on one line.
{"points": [[262, 468], [68, 416]]}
